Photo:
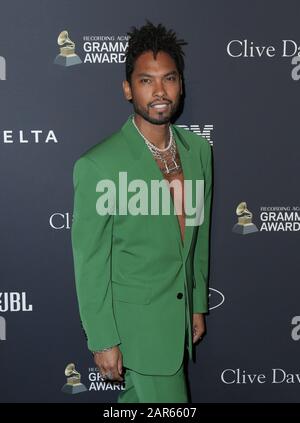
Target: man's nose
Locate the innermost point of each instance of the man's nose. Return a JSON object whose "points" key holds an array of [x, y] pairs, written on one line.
{"points": [[159, 89]]}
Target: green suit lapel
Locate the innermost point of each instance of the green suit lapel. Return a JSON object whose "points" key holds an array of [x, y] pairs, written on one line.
{"points": [[150, 171]]}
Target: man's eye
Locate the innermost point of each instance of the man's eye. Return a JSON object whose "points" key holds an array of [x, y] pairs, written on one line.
{"points": [[145, 80], [171, 78]]}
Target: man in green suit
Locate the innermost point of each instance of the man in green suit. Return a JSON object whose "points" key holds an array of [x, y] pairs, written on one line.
{"points": [[141, 253]]}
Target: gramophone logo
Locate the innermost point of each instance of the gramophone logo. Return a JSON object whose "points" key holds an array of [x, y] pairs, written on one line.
{"points": [[67, 56], [244, 226], [2, 69], [73, 385]]}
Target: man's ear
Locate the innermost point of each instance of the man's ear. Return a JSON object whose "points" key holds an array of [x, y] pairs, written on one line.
{"points": [[181, 86], [127, 90]]}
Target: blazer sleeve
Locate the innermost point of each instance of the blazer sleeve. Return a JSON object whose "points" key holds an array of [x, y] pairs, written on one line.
{"points": [[91, 236], [201, 253]]}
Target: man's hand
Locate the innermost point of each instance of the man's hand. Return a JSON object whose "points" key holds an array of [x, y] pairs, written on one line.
{"points": [[110, 362], [198, 326]]}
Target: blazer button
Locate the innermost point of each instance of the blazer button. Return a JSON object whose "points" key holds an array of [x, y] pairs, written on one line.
{"points": [[179, 295]]}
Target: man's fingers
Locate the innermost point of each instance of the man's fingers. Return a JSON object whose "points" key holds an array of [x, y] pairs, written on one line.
{"points": [[197, 334], [111, 373], [120, 365]]}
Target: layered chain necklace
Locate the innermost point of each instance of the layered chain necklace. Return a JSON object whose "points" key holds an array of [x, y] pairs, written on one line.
{"points": [[167, 156]]}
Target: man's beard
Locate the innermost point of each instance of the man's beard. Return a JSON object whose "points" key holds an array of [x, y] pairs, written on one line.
{"points": [[160, 121]]}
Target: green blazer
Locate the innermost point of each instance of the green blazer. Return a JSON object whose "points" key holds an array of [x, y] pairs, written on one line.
{"points": [[133, 273]]}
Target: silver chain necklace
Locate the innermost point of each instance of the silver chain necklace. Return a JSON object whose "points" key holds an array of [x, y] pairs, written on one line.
{"points": [[159, 152]]}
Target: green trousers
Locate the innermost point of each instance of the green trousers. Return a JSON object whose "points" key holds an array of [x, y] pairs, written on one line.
{"points": [[141, 388], [147, 388]]}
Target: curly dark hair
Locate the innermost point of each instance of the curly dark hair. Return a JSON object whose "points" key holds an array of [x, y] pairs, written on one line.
{"points": [[155, 38]]}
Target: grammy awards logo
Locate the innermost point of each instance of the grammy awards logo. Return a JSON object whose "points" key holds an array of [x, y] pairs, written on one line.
{"points": [[2, 69], [244, 225], [67, 56], [73, 385]]}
